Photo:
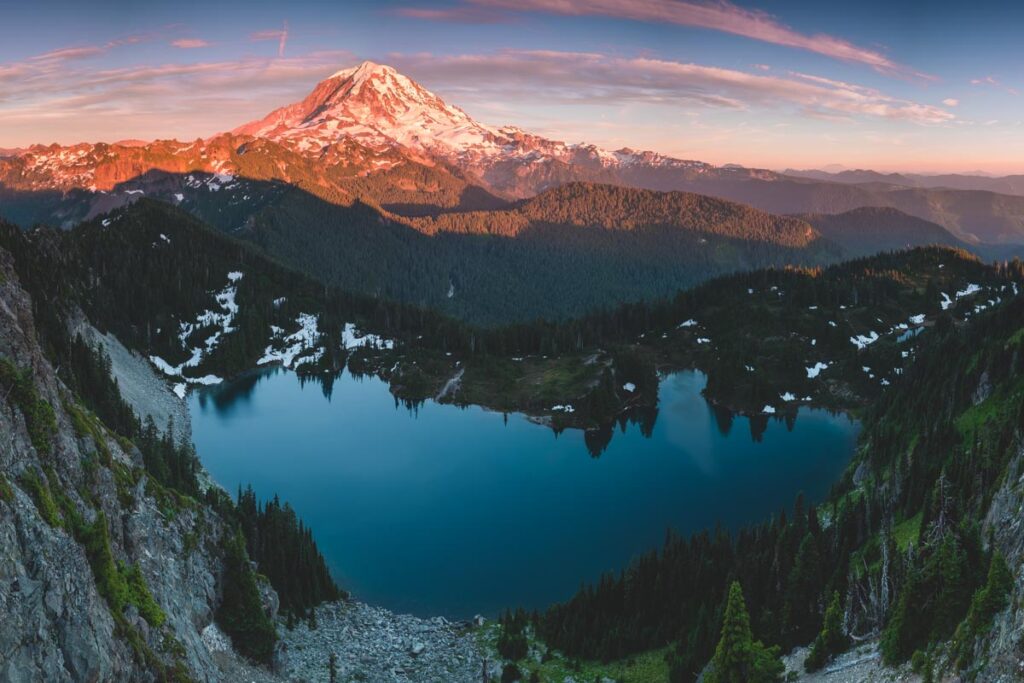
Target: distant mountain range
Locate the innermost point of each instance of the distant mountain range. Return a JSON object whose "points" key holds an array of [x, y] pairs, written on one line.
{"points": [[375, 184], [1011, 184]]}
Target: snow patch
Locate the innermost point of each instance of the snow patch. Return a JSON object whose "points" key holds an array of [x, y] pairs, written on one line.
{"points": [[816, 369], [971, 289], [303, 340], [351, 339], [861, 341]]}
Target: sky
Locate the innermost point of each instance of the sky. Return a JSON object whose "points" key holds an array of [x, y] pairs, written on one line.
{"points": [[893, 86]]}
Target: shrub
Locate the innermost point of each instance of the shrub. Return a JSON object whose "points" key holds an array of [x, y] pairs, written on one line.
{"points": [[241, 612], [39, 490]]}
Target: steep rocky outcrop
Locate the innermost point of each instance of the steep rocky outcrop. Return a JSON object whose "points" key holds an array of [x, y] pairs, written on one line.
{"points": [[77, 515]]}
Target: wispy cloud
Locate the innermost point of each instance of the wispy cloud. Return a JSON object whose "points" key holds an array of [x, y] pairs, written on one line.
{"points": [[190, 43], [995, 83], [592, 78], [460, 14], [716, 15], [280, 35], [78, 52], [951, 102], [70, 53], [67, 98]]}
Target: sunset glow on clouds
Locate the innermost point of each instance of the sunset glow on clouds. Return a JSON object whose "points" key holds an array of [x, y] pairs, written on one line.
{"points": [[715, 81], [719, 16]]}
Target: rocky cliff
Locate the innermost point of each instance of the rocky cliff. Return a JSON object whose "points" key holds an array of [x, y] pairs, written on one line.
{"points": [[104, 575]]}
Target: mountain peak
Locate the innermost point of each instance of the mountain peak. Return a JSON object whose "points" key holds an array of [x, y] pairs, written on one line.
{"points": [[376, 106], [363, 70]]}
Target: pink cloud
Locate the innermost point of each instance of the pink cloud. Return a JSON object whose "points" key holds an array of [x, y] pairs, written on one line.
{"points": [[67, 101], [189, 43], [994, 82], [460, 14], [593, 78], [70, 53], [717, 15]]}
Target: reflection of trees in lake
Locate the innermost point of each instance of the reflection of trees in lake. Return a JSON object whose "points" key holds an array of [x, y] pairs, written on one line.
{"points": [[226, 396], [758, 426], [723, 418]]}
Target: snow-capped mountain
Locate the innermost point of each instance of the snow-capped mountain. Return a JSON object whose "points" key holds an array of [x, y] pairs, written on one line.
{"points": [[359, 123], [377, 107]]}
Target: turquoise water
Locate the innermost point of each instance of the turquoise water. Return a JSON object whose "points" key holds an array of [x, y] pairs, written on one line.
{"points": [[455, 511]]}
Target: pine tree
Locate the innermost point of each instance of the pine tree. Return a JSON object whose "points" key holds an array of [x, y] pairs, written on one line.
{"points": [[241, 612], [738, 657], [831, 641], [332, 668], [804, 585]]}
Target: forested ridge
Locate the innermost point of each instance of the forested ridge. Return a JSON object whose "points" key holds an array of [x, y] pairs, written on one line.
{"points": [[596, 245], [870, 229], [612, 207]]}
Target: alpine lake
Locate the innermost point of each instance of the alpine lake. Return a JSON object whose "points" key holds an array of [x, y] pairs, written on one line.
{"points": [[455, 511]]}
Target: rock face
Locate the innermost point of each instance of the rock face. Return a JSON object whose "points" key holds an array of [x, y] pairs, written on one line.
{"points": [[55, 623], [1002, 652]]}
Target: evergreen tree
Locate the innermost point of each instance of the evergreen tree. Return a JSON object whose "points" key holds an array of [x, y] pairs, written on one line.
{"points": [[332, 668], [803, 589], [241, 613], [738, 657], [832, 640]]}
